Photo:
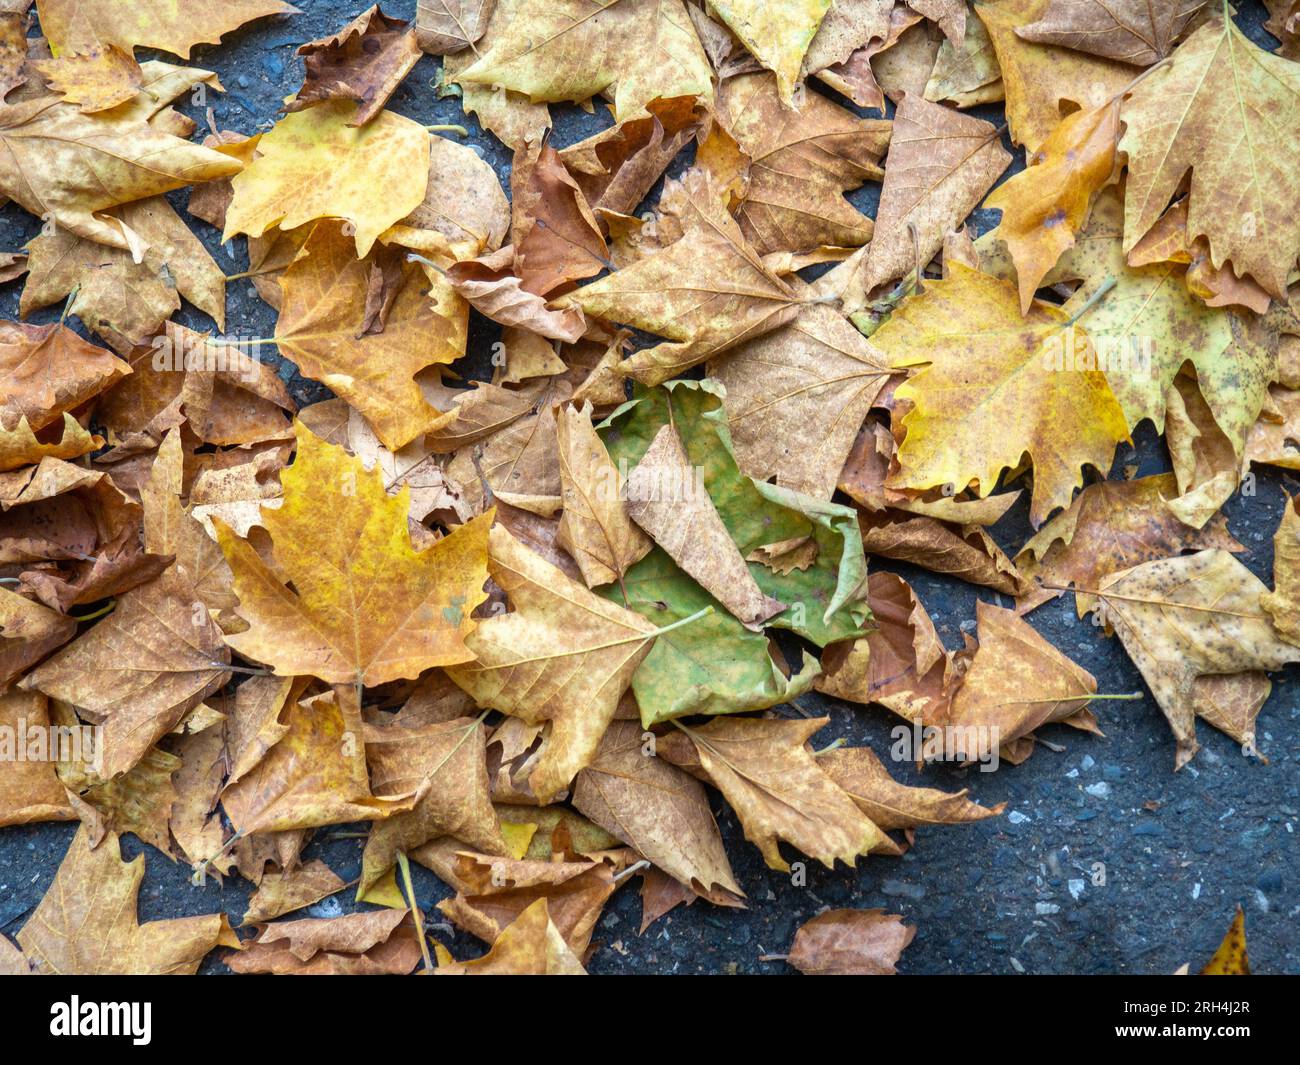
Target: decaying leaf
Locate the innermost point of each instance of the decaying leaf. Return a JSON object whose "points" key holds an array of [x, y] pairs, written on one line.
{"points": [[850, 943]]}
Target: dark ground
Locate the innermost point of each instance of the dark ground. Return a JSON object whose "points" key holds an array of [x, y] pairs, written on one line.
{"points": [[1011, 894]]}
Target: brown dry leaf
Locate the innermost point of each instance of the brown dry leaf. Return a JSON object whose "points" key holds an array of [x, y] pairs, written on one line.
{"points": [[195, 824], [902, 664], [30, 789], [1129, 31], [666, 497], [170, 25], [1183, 618], [334, 625], [139, 801], [1014, 682], [1111, 526], [67, 167], [772, 781], [1039, 79], [323, 327], [850, 943], [800, 164], [100, 78], [705, 292], [47, 370], [1283, 602], [356, 944], [617, 167], [966, 75], [139, 671], [941, 164], [893, 805], [28, 632], [562, 655], [556, 238], [445, 763], [964, 551], [170, 529], [1214, 112], [314, 775], [283, 892], [464, 203], [796, 397], [530, 946], [493, 289], [904, 58], [493, 892], [595, 528], [658, 810], [446, 26], [86, 924], [365, 61]]}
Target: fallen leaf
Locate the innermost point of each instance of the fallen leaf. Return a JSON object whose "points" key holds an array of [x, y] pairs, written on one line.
{"points": [[330, 626], [356, 944], [364, 62], [86, 924], [1128, 31], [778, 33], [446, 26], [530, 946], [1283, 602], [47, 370], [100, 78], [1230, 959], [850, 943]]}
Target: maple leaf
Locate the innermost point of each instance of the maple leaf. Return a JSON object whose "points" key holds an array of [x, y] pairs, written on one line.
{"points": [[1184, 618], [796, 397], [940, 165], [139, 671], [47, 370], [446, 26], [313, 775], [637, 50], [87, 925], [447, 763], [595, 527], [1230, 99], [322, 325], [901, 664], [850, 943], [1015, 682], [1039, 79], [366, 606], [102, 77], [173, 26], [65, 166], [28, 632], [966, 74], [827, 595], [492, 287], [715, 665], [1134, 32], [1111, 526], [492, 893], [364, 62], [658, 810], [778, 33], [991, 394], [705, 292], [530, 946], [777, 789], [317, 164], [283, 892], [1047, 204], [556, 238], [356, 944], [801, 162], [893, 805], [563, 655]]}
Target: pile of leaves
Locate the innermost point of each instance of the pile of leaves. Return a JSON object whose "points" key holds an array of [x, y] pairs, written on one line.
{"points": [[519, 627]]}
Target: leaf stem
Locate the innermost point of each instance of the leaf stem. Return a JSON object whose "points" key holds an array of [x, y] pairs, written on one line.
{"points": [[703, 612], [405, 867], [1091, 301]]}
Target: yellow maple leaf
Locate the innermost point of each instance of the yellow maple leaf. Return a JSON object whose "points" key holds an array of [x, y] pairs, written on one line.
{"points": [[996, 388], [365, 605]]}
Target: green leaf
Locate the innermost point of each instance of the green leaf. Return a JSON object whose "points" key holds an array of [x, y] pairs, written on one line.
{"points": [[712, 666], [825, 602]]}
